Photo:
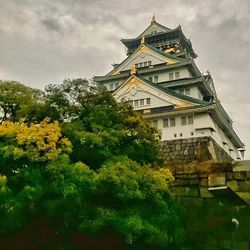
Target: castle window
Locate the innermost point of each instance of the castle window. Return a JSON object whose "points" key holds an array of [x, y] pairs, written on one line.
{"points": [[183, 121], [181, 91], [187, 120], [111, 87], [192, 133], [130, 103], [143, 64], [116, 85], [174, 75], [150, 79], [155, 123], [172, 122], [180, 134], [175, 135], [187, 91], [155, 79], [142, 102], [165, 123], [190, 120]]}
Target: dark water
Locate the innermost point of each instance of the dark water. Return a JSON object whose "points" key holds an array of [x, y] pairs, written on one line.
{"points": [[213, 225]]}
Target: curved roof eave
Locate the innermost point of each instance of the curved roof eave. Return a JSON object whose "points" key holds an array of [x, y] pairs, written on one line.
{"points": [[157, 34]]}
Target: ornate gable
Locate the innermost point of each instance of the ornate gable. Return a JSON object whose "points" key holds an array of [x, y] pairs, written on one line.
{"points": [[136, 89], [145, 55]]}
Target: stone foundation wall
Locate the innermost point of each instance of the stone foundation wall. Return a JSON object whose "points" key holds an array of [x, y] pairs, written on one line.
{"points": [[196, 184], [184, 151], [209, 213]]}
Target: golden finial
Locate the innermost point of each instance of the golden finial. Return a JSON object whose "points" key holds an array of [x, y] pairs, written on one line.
{"points": [[153, 19], [143, 40], [133, 70]]}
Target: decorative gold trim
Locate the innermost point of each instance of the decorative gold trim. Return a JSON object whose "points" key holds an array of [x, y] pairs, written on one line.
{"points": [[133, 70], [143, 49], [115, 73], [171, 62], [183, 105], [143, 40], [132, 83]]}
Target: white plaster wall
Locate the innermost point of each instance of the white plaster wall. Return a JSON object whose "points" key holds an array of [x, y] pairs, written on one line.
{"points": [[181, 131], [163, 77], [195, 92], [203, 120], [221, 138], [143, 58], [200, 128]]}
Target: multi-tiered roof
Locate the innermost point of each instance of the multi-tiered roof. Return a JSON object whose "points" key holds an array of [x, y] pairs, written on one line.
{"points": [[167, 50]]}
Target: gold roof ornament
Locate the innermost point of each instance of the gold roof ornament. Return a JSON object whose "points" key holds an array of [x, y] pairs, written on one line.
{"points": [[133, 70], [153, 19], [208, 72], [143, 40]]}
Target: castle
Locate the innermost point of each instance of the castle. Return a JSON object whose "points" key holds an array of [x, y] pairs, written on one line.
{"points": [[160, 79]]}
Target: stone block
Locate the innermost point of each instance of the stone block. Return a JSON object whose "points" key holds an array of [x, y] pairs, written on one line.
{"points": [[248, 175], [229, 176], [192, 176], [189, 169], [204, 182], [181, 182], [179, 191], [194, 181], [233, 184], [203, 175], [204, 193], [216, 180], [192, 191], [181, 176], [239, 175], [179, 170], [244, 196], [244, 186]]}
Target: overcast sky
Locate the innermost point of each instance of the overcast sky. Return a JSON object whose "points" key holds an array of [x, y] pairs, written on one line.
{"points": [[46, 41]]}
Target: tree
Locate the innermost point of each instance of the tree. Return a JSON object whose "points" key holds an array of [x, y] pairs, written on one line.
{"points": [[99, 127], [22, 145], [121, 198], [89, 169], [13, 97]]}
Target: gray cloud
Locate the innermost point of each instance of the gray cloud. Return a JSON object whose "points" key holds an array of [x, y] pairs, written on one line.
{"points": [[43, 41]]}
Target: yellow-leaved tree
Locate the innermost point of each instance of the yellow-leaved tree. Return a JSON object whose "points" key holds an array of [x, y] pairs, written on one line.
{"points": [[36, 142]]}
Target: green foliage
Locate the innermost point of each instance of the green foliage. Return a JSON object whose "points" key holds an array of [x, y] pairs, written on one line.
{"points": [[90, 167], [120, 197], [22, 145], [14, 97]]}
